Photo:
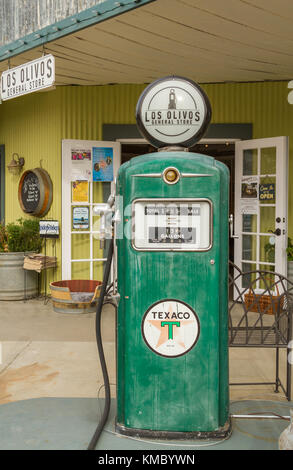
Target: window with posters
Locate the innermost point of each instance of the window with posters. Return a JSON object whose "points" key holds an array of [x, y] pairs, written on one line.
{"points": [[88, 171]]}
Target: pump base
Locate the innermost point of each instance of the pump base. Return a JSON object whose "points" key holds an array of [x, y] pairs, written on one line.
{"points": [[220, 433]]}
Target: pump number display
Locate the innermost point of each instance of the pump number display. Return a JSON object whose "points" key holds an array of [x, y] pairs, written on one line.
{"points": [[172, 225]]}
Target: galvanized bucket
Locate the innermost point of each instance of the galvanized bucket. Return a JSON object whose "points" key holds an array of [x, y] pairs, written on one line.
{"points": [[16, 283]]}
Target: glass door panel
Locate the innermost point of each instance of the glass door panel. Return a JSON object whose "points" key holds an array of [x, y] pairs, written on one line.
{"points": [[261, 206]]}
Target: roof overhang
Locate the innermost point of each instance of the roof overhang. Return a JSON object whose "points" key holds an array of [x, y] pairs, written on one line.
{"points": [[138, 41]]}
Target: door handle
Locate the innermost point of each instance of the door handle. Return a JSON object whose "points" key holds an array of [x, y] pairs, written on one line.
{"points": [[231, 224], [276, 232]]}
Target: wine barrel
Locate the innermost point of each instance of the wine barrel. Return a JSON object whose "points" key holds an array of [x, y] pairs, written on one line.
{"points": [[75, 296], [35, 192]]}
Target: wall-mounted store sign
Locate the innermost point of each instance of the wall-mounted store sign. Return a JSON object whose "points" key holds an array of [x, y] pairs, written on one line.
{"points": [[27, 78]]}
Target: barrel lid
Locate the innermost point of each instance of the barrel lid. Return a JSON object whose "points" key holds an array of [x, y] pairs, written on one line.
{"points": [[173, 111]]}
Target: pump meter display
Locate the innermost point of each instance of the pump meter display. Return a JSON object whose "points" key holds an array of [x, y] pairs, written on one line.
{"points": [[172, 225]]}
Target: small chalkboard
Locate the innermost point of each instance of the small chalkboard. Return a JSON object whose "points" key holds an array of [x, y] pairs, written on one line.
{"points": [[35, 192], [30, 192]]}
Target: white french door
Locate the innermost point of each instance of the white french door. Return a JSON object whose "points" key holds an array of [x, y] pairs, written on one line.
{"points": [[89, 169], [261, 194]]}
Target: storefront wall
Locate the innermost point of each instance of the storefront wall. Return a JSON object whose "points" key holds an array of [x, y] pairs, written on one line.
{"points": [[34, 125]]}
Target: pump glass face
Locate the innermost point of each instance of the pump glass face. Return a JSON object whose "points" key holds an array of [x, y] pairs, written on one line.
{"points": [[176, 225]]}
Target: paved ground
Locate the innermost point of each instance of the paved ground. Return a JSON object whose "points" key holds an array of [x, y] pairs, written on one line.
{"points": [[69, 424], [48, 354]]}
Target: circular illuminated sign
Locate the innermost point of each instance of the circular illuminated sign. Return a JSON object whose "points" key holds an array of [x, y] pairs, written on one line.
{"points": [[173, 111], [170, 328]]}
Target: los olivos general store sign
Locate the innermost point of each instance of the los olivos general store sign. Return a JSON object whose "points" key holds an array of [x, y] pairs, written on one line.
{"points": [[32, 76]]}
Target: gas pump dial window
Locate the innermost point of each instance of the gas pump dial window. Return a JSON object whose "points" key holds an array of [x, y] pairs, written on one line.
{"points": [[172, 225]]}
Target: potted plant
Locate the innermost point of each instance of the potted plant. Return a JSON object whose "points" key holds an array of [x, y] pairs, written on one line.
{"points": [[16, 240], [290, 260]]}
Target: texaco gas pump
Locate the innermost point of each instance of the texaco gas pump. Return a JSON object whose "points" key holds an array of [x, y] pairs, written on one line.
{"points": [[171, 226]]}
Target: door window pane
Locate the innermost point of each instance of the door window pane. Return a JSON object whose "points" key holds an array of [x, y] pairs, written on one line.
{"points": [[268, 280], [250, 162], [249, 223], [247, 279], [267, 219], [268, 161], [249, 247], [101, 191], [267, 249], [80, 246]]}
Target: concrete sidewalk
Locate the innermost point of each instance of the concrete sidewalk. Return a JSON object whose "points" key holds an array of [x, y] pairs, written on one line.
{"points": [[48, 354]]}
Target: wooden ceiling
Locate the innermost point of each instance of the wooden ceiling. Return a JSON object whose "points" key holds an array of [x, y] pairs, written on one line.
{"points": [[205, 40]]}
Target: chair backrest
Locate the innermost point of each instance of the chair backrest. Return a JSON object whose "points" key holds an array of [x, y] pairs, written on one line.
{"points": [[261, 312]]}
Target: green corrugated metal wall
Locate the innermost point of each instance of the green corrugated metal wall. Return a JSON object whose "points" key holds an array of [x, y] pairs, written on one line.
{"points": [[34, 125]]}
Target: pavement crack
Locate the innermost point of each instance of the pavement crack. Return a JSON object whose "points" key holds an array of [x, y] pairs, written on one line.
{"points": [[15, 357]]}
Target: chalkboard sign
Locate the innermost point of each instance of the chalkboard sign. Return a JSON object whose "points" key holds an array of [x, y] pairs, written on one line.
{"points": [[30, 192], [35, 192]]}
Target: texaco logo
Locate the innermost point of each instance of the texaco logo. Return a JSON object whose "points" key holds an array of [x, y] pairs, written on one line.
{"points": [[170, 328]]}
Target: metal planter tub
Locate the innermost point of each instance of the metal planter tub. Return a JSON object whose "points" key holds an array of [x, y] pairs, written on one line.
{"points": [[16, 283], [75, 296]]}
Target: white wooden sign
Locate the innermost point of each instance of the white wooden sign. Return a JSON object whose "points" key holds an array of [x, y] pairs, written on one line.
{"points": [[27, 78]]}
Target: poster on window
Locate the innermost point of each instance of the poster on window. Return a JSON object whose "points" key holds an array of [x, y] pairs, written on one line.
{"points": [[249, 188], [267, 192], [81, 164], [80, 191], [80, 218], [102, 164]]}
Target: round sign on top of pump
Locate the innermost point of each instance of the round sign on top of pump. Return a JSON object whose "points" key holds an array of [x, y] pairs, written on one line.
{"points": [[173, 111]]}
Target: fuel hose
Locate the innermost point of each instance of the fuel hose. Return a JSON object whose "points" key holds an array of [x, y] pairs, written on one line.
{"points": [[100, 427]]}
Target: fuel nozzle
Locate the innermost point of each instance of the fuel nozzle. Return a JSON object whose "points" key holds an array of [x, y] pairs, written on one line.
{"points": [[104, 210]]}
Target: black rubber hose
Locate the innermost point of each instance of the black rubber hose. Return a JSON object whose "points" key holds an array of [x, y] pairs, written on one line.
{"points": [[100, 427]]}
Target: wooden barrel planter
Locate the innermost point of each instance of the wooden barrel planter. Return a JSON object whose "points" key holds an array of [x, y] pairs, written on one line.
{"points": [[75, 296], [35, 192]]}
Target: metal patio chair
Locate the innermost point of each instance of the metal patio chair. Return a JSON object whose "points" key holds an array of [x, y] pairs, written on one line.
{"points": [[262, 319]]}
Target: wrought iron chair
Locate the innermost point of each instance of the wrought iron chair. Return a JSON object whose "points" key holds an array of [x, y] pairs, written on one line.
{"points": [[260, 316]]}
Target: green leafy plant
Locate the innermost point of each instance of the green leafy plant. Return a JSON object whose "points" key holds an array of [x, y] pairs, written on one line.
{"points": [[20, 236], [3, 238], [290, 250], [270, 251]]}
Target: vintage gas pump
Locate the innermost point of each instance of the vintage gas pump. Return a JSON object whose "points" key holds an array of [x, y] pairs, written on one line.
{"points": [[172, 270]]}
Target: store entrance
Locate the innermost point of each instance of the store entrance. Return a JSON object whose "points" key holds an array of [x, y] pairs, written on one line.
{"points": [[222, 150]]}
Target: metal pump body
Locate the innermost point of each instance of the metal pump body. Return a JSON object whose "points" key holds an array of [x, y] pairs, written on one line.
{"points": [[172, 321]]}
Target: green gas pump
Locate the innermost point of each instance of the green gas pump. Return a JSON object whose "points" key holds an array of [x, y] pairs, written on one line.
{"points": [[172, 274]]}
